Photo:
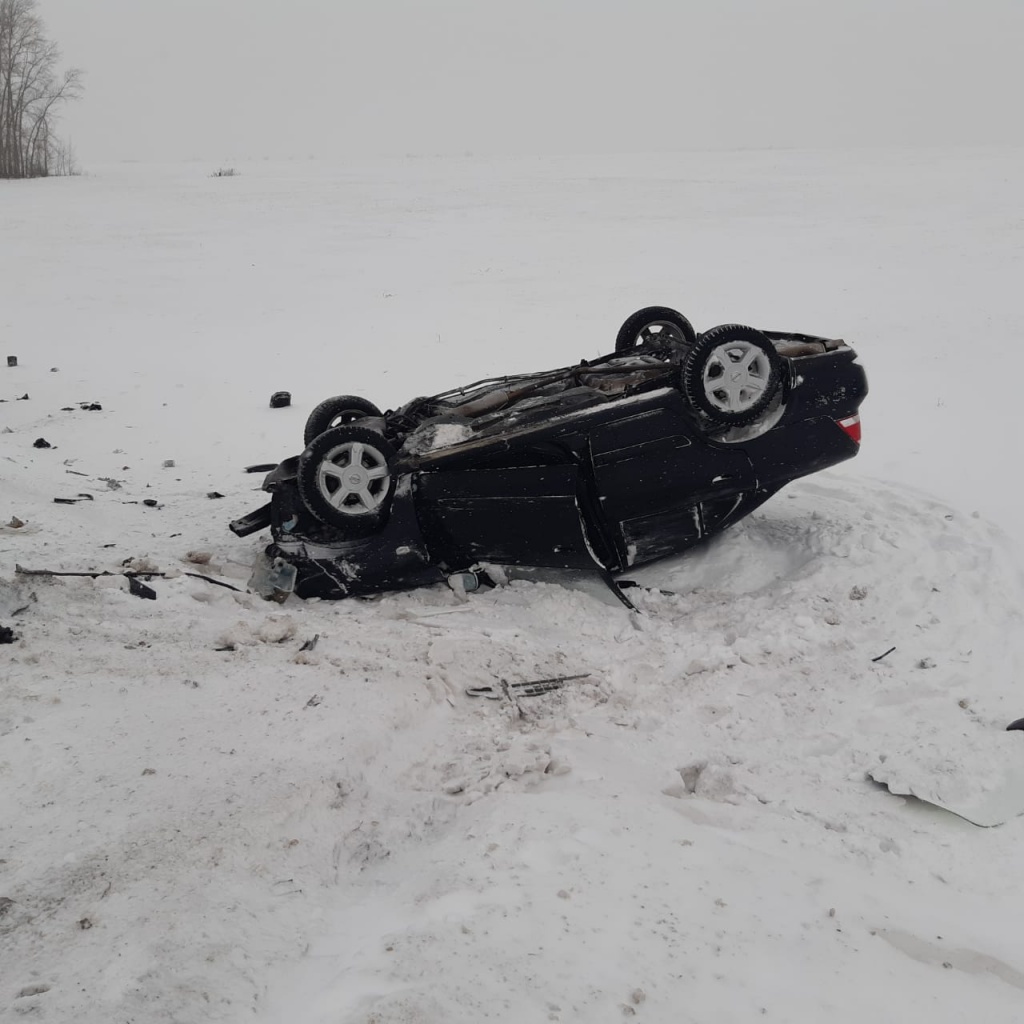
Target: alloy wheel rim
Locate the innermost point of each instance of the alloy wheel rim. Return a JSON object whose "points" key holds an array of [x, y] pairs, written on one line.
{"points": [[736, 376], [660, 331], [353, 478]]}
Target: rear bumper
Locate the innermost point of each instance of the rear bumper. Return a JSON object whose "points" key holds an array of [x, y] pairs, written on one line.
{"points": [[832, 384], [806, 447]]}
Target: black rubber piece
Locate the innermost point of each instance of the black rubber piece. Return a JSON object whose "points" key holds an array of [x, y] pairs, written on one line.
{"points": [[251, 523], [140, 589], [337, 412], [633, 334]]}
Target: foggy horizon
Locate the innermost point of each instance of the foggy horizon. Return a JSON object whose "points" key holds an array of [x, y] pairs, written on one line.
{"points": [[249, 79]]}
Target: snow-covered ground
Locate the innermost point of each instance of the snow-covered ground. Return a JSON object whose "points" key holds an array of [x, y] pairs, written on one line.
{"points": [[201, 822]]}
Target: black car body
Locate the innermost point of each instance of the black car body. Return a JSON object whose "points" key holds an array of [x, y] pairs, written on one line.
{"points": [[599, 467]]}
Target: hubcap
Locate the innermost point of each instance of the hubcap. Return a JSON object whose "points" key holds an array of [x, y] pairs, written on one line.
{"points": [[353, 478], [660, 331], [735, 376]]}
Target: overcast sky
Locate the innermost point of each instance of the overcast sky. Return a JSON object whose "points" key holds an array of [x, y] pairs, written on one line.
{"points": [[244, 79]]}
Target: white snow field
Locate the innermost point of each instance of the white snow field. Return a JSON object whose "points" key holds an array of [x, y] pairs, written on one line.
{"points": [[200, 822]]}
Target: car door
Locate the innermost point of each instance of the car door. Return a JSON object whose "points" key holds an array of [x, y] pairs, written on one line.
{"points": [[516, 515], [660, 485]]}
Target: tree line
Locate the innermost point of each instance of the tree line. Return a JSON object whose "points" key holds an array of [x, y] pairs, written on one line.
{"points": [[32, 90]]}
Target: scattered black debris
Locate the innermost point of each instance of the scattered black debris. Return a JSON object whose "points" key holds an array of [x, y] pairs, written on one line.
{"points": [[20, 570], [74, 471], [41, 442], [261, 467], [144, 574], [90, 406], [149, 771], [110, 545], [7, 636], [315, 701], [22, 398], [885, 654], [12, 360], [169, 463], [73, 501], [85, 924], [310, 644], [1017, 726], [54, 369], [214, 494], [67, 408], [150, 503], [280, 399], [112, 484], [531, 688], [140, 589]]}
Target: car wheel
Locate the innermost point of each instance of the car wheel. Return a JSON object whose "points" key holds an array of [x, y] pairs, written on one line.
{"points": [[655, 327], [345, 478], [337, 412], [732, 374]]}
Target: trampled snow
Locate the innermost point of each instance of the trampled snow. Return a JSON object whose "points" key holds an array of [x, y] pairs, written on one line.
{"points": [[200, 821]]}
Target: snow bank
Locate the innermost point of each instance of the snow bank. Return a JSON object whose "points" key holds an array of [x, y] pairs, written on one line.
{"points": [[201, 821]]}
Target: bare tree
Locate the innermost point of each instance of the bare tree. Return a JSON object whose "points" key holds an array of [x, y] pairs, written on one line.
{"points": [[31, 92], [64, 162]]}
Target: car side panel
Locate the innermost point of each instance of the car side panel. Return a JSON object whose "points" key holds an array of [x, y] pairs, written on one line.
{"points": [[652, 473], [526, 515], [798, 449]]}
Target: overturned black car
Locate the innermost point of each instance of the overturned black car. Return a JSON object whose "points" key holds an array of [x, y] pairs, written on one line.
{"points": [[598, 467]]}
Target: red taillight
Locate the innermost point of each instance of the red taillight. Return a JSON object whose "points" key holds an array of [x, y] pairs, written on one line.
{"points": [[851, 424]]}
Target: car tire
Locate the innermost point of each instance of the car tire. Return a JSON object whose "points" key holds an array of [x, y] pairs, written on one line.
{"points": [[336, 412], [345, 478], [655, 328], [731, 374]]}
